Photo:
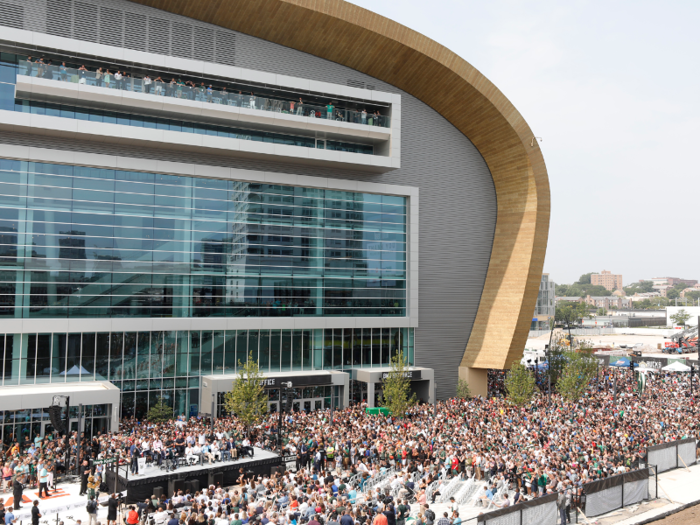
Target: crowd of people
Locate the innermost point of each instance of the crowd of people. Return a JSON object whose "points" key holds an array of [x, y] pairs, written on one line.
{"points": [[546, 446], [195, 89]]}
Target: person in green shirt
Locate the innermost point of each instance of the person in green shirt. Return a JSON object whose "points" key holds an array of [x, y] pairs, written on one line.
{"points": [[329, 110], [402, 512], [236, 520]]}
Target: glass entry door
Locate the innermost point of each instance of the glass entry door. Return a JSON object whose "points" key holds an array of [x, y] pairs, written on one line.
{"points": [[307, 405]]}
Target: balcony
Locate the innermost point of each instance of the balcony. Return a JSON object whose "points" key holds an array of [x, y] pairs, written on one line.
{"points": [[203, 103]]}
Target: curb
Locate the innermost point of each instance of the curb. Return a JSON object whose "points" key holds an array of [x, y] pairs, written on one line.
{"points": [[669, 513]]}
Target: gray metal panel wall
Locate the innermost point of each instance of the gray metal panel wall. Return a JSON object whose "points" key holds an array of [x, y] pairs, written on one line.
{"points": [[457, 195]]}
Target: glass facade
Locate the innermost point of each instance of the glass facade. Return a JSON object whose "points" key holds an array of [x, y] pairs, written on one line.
{"points": [[167, 364], [88, 242], [8, 75], [16, 425]]}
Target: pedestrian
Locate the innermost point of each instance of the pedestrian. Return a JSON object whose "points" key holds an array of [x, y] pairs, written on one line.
{"points": [[35, 513], [91, 508]]}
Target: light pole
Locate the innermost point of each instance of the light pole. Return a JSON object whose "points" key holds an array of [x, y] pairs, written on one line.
{"points": [[285, 386]]}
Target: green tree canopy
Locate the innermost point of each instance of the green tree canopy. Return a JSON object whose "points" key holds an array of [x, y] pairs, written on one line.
{"points": [[520, 385], [463, 391], [581, 290], [160, 412], [396, 391], [693, 294], [672, 293], [580, 368], [247, 398], [585, 278], [569, 312], [680, 317], [639, 287]]}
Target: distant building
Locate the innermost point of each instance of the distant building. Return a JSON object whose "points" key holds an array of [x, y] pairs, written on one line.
{"points": [[608, 302], [569, 299], [545, 308], [608, 280], [671, 281], [689, 289], [640, 296]]}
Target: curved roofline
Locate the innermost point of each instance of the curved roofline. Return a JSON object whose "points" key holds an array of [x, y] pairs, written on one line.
{"points": [[360, 39]]}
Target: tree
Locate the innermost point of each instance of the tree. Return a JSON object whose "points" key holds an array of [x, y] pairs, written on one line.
{"points": [[580, 368], [160, 412], [247, 398], [463, 391], [640, 287], [672, 293], [693, 294], [397, 387], [601, 311], [585, 278], [680, 317], [520, 385]]}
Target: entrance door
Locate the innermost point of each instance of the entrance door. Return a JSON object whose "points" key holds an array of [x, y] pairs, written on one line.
{"points": [[272, 406]]}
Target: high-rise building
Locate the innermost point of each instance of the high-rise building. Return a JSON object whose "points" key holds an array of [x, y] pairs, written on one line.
{"points": [[546, 305], [185, 187], [608, 280]]}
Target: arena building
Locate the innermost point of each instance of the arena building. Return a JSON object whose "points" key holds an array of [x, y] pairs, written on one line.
{"points": [[186, 184]]}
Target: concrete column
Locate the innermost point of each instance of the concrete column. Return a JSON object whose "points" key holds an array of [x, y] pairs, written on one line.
{"points": [[370, 394], [476, 378]]}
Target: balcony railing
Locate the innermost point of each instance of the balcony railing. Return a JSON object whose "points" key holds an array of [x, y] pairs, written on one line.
{"points": [[201, 93]]}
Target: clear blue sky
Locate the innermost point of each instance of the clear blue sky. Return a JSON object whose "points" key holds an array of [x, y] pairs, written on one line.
{"points": [[613, 88]]}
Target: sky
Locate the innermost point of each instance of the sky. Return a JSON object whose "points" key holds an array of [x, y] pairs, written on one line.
{"points": [[613, 89]]}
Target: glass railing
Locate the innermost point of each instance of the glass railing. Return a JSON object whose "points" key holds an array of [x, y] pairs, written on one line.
{"points": [[200, 93]]}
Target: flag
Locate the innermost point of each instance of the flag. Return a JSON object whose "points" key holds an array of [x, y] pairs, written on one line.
{"points": [[641, 381]]}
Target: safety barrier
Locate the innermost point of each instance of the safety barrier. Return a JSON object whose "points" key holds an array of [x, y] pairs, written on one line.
{"points": [[674, 454], [538, 511], [608, 494]]}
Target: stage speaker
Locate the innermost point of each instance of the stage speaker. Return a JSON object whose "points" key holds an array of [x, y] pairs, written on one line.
{"points": [[158, 492], [178, 484], [188, 487], [194, 483]]}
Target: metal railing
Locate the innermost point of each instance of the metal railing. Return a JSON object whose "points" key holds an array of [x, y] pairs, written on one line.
{"points": [[201, 93]]}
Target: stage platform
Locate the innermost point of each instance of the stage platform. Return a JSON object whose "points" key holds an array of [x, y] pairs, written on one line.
{"points": [[152, 479]]}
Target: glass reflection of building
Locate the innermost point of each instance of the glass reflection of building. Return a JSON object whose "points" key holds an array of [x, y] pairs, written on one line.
{"points": [[93, 243]]}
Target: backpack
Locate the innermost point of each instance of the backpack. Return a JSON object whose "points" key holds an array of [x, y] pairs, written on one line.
{"points": [[429, 516], [91, 507]]}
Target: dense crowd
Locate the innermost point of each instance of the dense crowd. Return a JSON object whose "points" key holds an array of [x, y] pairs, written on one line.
{"points": [[546, 446]]}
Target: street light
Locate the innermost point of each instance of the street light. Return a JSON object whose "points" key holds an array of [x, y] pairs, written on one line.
{"points": [[283, 385]]}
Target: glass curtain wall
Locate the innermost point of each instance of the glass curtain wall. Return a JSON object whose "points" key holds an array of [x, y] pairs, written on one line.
{"points": [[148, 365], [87, 242]]}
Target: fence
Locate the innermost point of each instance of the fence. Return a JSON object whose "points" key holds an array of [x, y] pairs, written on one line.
{"points": [[575, 331], [539, 511], [672, 455], [608, 494]]}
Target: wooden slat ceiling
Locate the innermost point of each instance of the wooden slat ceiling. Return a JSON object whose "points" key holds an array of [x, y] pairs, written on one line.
{"points": [[357, 38]]}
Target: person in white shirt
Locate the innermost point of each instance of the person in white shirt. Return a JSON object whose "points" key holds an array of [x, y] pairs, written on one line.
{"points": [[189, 454], [215, 450], [161, 517]]}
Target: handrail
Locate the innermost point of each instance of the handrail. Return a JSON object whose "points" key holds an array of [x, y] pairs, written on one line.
{"points": [[201, 93]]}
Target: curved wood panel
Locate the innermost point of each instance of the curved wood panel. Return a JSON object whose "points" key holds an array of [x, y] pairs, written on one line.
{"points": [[357, 38]]}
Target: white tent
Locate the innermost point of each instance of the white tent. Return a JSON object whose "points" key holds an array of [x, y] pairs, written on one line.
{"points": [[75, 371], [676, 367]]}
